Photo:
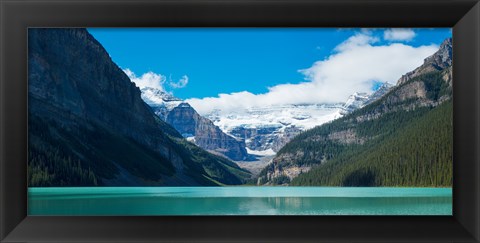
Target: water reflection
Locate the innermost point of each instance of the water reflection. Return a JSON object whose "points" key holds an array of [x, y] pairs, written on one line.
{"points": [[148, 205]]}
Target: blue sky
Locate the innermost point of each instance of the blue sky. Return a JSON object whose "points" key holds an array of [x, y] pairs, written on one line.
{"points": [[212, 61]]}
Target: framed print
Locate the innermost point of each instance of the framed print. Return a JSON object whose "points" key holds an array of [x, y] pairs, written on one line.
{"points": [[240, 121]]}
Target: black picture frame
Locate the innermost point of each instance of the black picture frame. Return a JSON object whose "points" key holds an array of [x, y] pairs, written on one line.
{"points": [[17, 16]]}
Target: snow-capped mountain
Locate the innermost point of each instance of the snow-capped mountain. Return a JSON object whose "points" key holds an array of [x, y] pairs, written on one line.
{"points": [[154, 96], [263, 130], [359, 100], [194, 127], [267, 129], [385, 88], [354, 101], [161, 101]]}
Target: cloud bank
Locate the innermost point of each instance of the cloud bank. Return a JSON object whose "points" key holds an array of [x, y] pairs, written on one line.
{"points": [[355, 66], [155, 80], [399, 34], [149, 79]]}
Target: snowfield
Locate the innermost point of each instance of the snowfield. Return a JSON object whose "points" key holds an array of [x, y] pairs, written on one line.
{"points": [[280, 117]]}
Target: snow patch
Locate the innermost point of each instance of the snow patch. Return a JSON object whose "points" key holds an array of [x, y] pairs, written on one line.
{"points": [[268, 152], [156, 97]]}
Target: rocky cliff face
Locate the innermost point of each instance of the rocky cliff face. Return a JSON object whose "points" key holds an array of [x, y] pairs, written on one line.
{"points": [[193, 126], [267, 139], [379, 93], [204, 133], [83, 108], [184, 119], [440, 60], [355, 101], [70, 72], [359, 100]]}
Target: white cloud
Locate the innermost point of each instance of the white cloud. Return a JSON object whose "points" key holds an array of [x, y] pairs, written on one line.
{"points": [[181, 83], [149, 79], [399, 34], [354, 67], [356, 41]]}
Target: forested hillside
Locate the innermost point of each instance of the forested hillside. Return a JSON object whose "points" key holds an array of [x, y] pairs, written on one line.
{"points": [[402, 139], [418, 153]]}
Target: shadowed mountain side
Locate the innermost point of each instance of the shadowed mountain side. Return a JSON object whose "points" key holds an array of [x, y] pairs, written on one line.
{"points": [[89, 126]]}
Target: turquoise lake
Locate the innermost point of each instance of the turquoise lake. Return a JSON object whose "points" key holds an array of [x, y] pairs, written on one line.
{"points": [[125, 201]]}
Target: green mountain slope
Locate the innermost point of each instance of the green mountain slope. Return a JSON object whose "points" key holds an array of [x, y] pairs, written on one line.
{"points": [[418, 153], [401, 139]]}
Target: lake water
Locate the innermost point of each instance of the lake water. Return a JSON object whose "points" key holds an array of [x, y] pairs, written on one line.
{"points": [[239, 201]]}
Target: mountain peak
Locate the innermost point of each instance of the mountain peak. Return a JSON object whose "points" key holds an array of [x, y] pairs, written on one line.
{"points": [[443, 57], [154, 96], [440, 60], [184, 105]]}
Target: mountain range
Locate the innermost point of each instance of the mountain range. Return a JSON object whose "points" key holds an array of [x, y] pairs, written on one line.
{"points": [[256, 131]]}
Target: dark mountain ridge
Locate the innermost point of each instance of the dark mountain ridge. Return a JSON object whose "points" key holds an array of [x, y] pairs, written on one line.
{"points": [[89, 126]]}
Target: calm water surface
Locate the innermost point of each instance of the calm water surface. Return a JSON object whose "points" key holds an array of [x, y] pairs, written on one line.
{"points": [[239, 201]]}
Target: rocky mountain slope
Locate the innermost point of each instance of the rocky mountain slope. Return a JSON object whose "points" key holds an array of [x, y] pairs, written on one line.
{"points": [[194, 127], [359, 100], [88, 124], [439, 61], [414, 118], [205, 134]]}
